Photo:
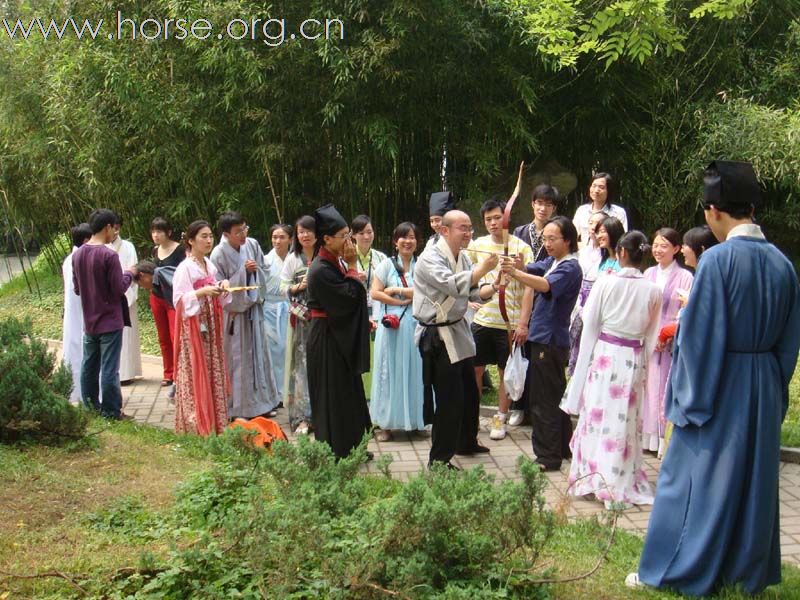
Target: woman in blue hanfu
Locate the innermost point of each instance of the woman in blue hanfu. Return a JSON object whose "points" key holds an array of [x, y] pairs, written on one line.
{"points": [[396, 396]]}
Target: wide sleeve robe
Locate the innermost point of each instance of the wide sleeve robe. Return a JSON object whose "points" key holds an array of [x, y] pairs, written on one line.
{"points": [[715, 518], [338, 353]]}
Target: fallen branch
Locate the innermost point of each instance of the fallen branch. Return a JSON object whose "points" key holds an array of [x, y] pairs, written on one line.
{"points": [[57, 574], [603, 556]]}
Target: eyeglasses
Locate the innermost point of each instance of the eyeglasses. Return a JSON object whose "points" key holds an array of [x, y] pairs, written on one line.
{"points": [[468, 229], [551, 239], [545, 203], [242, 232], [344, 236]]}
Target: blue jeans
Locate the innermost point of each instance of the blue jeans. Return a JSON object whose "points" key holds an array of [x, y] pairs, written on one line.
{"points": [[101, 362]]}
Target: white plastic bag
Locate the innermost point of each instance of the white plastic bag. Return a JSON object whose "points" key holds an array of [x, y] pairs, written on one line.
{"points": [[514, 375]]}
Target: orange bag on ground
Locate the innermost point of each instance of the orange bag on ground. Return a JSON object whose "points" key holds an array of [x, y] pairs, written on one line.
{"points": [[267, 430]]}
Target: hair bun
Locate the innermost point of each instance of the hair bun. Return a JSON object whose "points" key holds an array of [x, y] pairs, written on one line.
{"points": [[645, 247]]}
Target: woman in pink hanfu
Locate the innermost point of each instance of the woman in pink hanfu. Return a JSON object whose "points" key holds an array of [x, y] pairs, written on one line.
{"points": [[201, 382], [670, 277], [620, 329]]}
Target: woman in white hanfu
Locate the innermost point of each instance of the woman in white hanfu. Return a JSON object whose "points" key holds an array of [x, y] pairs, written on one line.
{"points": [[620, 330], [130, 358], [72, 346]]}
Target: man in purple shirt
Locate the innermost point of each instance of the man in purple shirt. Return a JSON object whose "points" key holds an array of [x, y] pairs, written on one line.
{"points": [[100, 282], [556, 281]]}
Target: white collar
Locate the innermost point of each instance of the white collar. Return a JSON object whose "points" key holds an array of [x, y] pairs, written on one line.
{"points": [[444, 248], [746, 230], [558, 261], [671, 266]]}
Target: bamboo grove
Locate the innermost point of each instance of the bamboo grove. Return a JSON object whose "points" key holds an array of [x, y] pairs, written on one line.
{"points": [[413, 96]]}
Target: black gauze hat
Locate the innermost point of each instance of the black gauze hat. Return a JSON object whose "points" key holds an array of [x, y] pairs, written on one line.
{"points": [[328, 220], [729, 183], [441, 203]]}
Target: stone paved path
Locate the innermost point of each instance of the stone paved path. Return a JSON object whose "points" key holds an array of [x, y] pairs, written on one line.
{"points": [[148, 403]]}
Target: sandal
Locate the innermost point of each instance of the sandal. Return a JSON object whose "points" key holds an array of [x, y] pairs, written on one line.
{"points": [[166, 382]]}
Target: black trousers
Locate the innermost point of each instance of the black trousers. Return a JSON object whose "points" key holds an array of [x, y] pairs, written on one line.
{"points": [[552, 428], [457, 400]]}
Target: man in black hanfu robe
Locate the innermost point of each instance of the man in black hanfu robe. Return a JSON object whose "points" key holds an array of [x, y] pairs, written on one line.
{"points": [[338, 341], [715, 520]]}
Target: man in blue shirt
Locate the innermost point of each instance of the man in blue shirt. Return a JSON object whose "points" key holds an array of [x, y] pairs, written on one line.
{"points": [[557, 281]]}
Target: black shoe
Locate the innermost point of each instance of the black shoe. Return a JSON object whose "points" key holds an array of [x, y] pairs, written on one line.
{"points": [[126, 382], [476, 449], [550, 467], [370, 456]]}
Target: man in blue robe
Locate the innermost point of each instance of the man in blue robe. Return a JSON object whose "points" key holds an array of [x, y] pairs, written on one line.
{"points": [[715, 518]]}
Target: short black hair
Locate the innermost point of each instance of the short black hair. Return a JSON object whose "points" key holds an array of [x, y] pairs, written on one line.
{"points": [[545, 191], [306, 222], [80, 233], [117, 219], [700, 239], [146, 266], [101, 218], [568, 231], [403, 229], [491, 204], [160, 224], [228, 219], [359, 224]]}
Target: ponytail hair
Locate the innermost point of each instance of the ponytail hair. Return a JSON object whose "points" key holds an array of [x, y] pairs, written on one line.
{"points": [[636, 247], [191, 232]]}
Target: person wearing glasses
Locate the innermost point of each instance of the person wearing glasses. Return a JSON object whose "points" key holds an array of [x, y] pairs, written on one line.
{"points": [[557, 281], [240, 260], [445, 282], [338, 337]]}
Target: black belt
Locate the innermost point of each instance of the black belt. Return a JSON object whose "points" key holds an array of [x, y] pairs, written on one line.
{"points": [[445, 324]]}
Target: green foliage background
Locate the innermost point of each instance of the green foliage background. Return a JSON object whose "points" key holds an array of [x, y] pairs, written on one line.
{"points": [[647, 89]]}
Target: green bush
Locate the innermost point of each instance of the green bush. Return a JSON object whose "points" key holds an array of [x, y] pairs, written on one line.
{"points": [[34, 390], [298, 523]]}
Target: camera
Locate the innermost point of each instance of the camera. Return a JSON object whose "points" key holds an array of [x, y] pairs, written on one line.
{"points": [[391, 321]]}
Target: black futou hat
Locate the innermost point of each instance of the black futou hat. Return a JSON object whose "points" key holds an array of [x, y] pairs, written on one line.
{"points": [[328, 220], [441, 203], [729, 184]]}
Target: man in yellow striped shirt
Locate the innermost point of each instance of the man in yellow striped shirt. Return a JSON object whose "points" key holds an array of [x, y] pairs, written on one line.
{"points": [[489, 330]]}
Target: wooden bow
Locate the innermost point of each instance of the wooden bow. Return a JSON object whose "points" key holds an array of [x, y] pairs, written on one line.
{"points": [[506, 236]]}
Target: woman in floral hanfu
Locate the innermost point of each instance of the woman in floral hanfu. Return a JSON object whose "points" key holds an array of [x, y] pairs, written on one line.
{"points": [[201, 382], [620, 330]]}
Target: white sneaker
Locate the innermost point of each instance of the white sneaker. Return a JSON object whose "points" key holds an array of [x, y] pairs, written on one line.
{"points": [[632, 581], [516, 417], [498, 431], [302, 429]]}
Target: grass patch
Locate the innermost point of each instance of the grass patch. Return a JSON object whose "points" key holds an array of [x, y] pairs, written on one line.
{"points": [[89, 510], [97, 510], [584, 541]]}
